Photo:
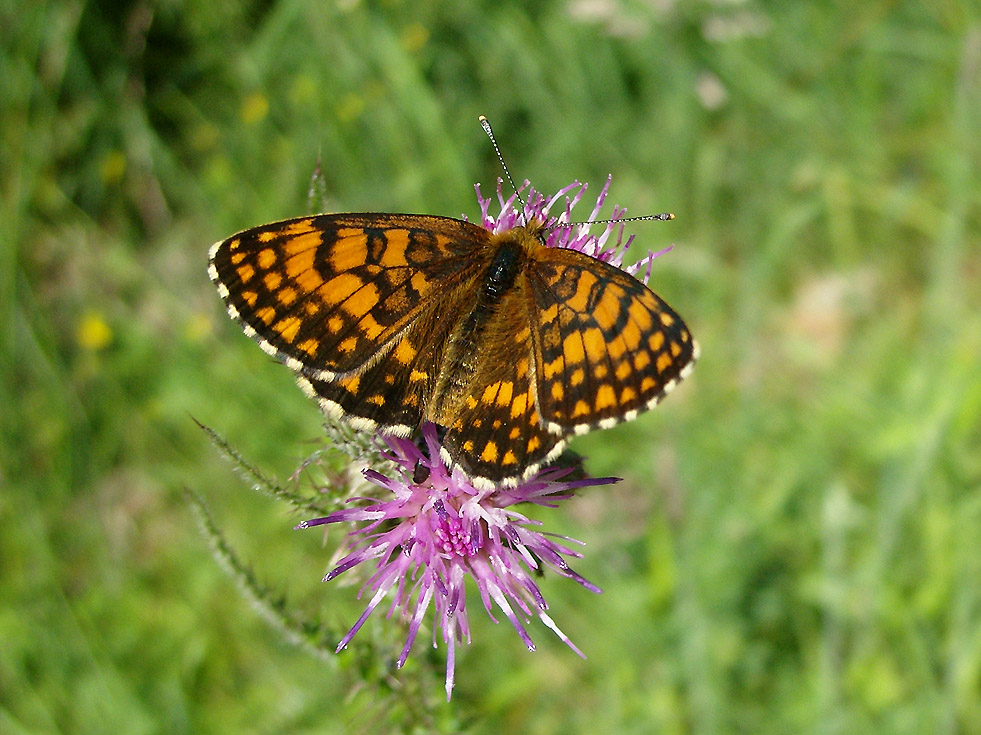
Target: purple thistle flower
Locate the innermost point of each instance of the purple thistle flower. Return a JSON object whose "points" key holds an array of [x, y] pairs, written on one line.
{"points": [[559, 234], [426, 538]]}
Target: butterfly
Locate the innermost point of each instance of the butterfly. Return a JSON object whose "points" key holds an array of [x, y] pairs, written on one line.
{"points": [[507, 344]]}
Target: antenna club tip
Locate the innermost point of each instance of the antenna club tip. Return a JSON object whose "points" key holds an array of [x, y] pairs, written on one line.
{"points": [[481, 118], [667, 215]]}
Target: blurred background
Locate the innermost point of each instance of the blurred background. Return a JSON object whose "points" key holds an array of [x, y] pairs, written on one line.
{"points": [[796, 546]]}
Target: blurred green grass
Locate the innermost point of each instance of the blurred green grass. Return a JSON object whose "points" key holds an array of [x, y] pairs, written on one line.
{"points": [[796, 545]]}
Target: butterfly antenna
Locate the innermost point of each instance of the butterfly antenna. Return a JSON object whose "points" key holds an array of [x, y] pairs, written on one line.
{"points": [[662, 217], [485, 124]]}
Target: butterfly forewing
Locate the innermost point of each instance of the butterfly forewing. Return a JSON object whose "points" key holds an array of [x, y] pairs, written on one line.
{"points": [[328, 293], [607, 346]]}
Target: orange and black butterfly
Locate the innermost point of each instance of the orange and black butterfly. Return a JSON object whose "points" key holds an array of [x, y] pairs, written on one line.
{"points": [[509, 345]]}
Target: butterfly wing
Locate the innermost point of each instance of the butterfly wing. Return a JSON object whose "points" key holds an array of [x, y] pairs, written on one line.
{"points": [[605, 346], [397, 388], [330, 294]]}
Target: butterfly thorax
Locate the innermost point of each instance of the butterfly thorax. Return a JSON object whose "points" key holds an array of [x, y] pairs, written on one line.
{"points": [[499, 276]]}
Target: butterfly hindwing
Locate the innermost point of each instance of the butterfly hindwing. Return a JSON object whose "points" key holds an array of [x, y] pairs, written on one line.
{"points": [[396, 388]]}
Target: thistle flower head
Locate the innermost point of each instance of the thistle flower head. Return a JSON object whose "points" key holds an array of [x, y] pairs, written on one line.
{"points": [[421, 539], [609, 246]]}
